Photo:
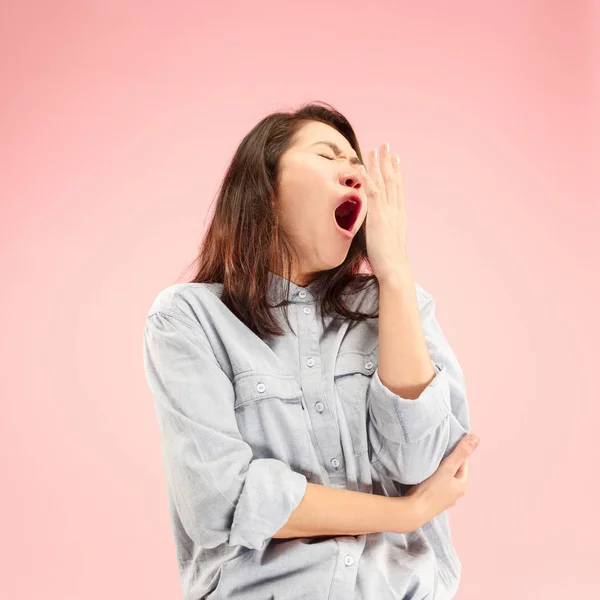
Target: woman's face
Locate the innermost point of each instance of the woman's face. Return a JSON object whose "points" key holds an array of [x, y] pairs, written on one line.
{"points": [[313, 181]]}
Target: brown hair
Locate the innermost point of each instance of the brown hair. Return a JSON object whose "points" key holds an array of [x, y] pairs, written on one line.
{"points": [[244, 240]]}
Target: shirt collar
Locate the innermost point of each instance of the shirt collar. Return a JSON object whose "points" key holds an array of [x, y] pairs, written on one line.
{"points": [[278, 287]]}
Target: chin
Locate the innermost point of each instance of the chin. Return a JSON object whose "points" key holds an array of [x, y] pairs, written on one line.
{"points": [[331, 262]]}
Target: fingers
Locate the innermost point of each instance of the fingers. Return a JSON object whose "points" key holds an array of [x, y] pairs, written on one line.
{"points": [[399, 187], [384, 171], [463, 471], [461, 452], [370, 188], [376, 178], [388, 175]]}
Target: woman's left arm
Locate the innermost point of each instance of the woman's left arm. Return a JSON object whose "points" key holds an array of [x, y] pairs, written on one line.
{"points": [[417, 396]]}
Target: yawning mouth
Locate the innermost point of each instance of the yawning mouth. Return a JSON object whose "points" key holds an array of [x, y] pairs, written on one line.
{"points": [[347, 212]]}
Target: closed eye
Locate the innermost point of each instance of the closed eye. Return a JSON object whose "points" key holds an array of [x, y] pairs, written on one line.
{"points": [[325, 156]]}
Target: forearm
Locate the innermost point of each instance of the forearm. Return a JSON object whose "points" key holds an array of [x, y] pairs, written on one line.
{"points": [[332, 511], [404, 363]]}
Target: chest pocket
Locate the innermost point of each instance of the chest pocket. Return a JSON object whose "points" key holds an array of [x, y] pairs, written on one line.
{"points": [[352, 375], [270, 417]]}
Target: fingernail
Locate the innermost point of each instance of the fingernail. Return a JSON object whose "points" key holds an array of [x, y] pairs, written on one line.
{"points": [[472, 439], [387, 147], [374, 153]]}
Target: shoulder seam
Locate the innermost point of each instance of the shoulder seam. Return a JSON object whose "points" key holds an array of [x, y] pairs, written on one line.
{"points": [[191, 324]]}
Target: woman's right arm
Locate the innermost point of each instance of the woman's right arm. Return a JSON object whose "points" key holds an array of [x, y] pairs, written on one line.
{"points": [[332, 511]]}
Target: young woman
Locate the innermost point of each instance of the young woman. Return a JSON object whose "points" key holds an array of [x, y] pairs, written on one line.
{"points": [[313, 418]]}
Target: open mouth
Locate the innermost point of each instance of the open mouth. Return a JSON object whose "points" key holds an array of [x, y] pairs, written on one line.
{"points": [[347, 213]]}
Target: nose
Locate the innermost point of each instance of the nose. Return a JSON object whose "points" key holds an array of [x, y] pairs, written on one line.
{"points": [[350, 178]]}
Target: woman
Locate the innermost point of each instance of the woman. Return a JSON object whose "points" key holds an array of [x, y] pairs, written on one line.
{"points": [[312, 416]]}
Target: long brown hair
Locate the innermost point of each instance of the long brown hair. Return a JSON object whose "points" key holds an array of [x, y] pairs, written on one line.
{"points": [[244, 240]]}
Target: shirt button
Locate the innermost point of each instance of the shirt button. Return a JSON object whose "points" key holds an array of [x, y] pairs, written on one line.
{"points": [[335, 462], [348, 560], [261, 387], [368, 365], [302, 294], [306, 310], [310, 362], [319, 406]]}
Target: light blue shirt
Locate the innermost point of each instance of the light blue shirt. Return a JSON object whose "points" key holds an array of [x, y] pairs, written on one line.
{"points": [[245, 424]]}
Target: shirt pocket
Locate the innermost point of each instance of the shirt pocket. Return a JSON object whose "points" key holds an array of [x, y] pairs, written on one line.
{"points": [[352, 377], [270, 417]]}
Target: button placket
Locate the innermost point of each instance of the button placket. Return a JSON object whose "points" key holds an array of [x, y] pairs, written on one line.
{"points": [[311, 381]]}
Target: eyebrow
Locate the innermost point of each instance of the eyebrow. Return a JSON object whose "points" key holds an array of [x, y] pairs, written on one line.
{"points": [[354, 159]]}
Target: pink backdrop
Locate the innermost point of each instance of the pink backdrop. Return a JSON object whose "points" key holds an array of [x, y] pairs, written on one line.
{"points": [[118, 120]]}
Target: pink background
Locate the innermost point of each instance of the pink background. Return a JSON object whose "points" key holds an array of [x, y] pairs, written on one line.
{"points": [[118, 120]]}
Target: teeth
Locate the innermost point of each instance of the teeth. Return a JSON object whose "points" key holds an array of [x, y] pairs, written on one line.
{"points": [[346, 202]]}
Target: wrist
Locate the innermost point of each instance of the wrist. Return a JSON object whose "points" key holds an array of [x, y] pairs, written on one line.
{"points": [[405, 514], [400, 276], [417, 510]]}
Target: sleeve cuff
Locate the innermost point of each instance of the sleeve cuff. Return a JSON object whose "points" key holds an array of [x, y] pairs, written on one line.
{"points": [[271, 492], [404, 420]]}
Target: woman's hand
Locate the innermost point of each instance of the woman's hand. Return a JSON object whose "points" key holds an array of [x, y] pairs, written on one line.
{"points": [[441, 491], [386, 216]]}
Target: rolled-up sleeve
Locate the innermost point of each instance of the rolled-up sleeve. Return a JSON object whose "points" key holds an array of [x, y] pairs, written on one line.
{"points": [[410, 437], [220, 493]]}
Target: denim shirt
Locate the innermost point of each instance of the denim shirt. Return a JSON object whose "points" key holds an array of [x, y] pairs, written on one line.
{"points": [[246, 423]]}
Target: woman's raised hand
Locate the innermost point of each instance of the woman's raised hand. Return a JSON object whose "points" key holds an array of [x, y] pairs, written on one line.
{"points": [[385, 226]]}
